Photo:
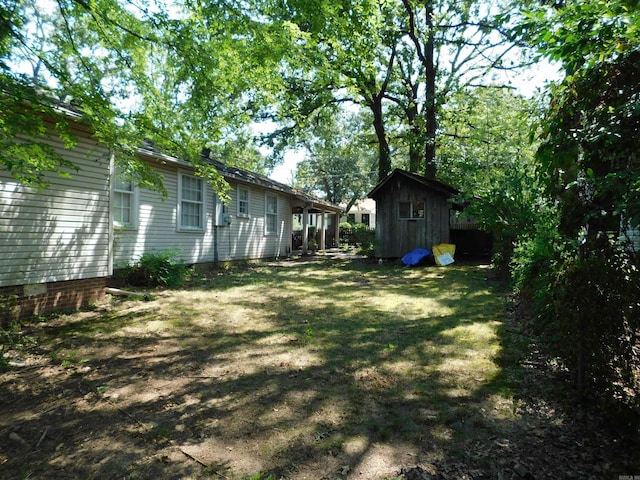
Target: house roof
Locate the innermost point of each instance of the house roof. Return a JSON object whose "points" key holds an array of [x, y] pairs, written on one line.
{"points": [[429, 183], [230, 172], [363, 205], [246, 176], [68, 108]]}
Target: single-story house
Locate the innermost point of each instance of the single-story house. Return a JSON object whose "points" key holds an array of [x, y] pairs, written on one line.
{"points": [[412, 211], [60, 245], [363, 211]]}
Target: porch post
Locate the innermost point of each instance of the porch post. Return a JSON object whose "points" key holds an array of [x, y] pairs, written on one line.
{"points": [[336, 229], [305, 229], [321, 226]]}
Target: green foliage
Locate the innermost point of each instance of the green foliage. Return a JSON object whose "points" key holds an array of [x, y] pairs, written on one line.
{"points": [[163, 74], [341, 162], [487, 154], [599, 314], [359, 235], [583, 280], [157, 269], [7, 303], [12, 337], [581, 34]]}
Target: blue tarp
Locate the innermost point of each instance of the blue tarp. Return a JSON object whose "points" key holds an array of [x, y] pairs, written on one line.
{"points": [[414, 257]]}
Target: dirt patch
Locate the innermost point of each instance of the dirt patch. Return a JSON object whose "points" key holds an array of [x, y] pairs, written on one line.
{"points": [[320, 370]]}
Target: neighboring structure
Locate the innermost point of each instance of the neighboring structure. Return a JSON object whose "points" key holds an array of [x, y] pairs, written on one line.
{"points": [[363, 211], [412, 212], [630, 238], [466, 236], [59, 246]]}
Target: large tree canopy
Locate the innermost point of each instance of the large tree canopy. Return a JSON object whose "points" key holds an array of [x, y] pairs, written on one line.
{"points": [[400, 60], [184, 75], [582, 269], [341, 159]]}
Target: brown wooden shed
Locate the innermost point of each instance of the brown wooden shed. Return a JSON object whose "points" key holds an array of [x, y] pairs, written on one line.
{"points": [[412, 211]]}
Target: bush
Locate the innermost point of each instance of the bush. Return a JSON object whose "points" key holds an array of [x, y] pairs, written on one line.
{"points": [[357, 234], [596, 307], [586, 309], [345, 226], [535, 267], [158, 269]]}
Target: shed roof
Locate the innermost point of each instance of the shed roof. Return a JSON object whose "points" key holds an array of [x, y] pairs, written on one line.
{"points": [[429, 183]]}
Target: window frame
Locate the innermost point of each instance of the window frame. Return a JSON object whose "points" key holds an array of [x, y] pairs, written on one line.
{"points": [[241, 201], [413, 204], [133, 194], [202, 203], [268, 215]]}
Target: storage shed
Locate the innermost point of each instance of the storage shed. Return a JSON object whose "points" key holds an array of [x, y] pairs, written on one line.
{"points": [[412, 211]]}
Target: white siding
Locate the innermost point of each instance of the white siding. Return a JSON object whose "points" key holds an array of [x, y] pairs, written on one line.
{"points": [[243, 239], [157, 227], [59, 233]]}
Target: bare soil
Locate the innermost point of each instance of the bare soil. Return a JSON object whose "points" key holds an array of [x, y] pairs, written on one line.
{"points": [[299, 370]]}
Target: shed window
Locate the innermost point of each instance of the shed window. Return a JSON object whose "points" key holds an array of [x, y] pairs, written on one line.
{"points": [[411, 210], [191, 203], [124, 201], [271, 214]]}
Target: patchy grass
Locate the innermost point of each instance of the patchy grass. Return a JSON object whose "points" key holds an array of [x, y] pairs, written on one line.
{"points": [[299, 370]]}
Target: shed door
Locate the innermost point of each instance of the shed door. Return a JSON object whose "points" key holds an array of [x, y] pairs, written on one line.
{"points": [[415, 234]]}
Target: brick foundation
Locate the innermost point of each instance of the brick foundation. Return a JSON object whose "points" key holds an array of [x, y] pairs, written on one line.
{"points": [[26, 301]]}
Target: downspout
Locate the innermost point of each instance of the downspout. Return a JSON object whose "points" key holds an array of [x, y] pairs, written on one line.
{"points": [[215, 244], [110, 230], [322, 227]]}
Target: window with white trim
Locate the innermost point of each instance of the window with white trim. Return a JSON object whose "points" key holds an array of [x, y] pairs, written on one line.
{"points": [[270, 214], [243, 202], [411, 210], [190, 203], [124, 201]]}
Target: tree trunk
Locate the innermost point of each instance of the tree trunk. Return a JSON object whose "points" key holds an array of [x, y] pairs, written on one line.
{"points": [[384, 152], [430, 107], [416, 136]]}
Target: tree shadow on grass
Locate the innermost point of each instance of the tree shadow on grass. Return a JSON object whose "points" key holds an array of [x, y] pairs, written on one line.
{"points": [[343, 370]]}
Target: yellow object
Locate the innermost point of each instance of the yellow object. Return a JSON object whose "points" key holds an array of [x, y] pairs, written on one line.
{"points": [[442, 250]]}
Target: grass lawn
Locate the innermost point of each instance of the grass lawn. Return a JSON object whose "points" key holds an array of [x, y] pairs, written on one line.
{"points": [[318, 370]]}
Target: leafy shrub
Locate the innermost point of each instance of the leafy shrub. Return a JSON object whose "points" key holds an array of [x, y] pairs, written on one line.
{"points": [[596, 305], [158, 269], [535, 266], [345, 226], [357, 234], [586, 307]]}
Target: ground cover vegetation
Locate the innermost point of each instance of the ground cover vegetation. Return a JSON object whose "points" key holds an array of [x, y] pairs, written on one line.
{"points": [[424, 80], [299, 369]]}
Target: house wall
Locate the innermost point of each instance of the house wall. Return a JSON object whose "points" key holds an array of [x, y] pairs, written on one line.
{"points": [[156, 229], [397, 236], [58, 234], [244, 238]]}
